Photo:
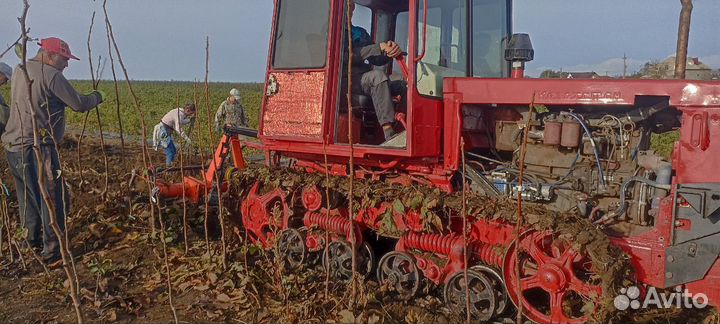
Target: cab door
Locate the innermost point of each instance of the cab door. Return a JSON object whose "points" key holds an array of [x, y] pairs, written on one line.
{"points": [[297, 71]]}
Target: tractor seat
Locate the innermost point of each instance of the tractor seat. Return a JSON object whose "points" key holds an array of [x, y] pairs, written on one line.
{"points": [[359, 100], [359, 103]]}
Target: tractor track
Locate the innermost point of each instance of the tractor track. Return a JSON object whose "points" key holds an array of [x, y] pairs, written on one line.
{"points": [[609, 262]]}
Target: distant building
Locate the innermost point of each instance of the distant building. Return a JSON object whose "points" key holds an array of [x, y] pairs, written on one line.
{"points": [[582, 75], [694, 70]]}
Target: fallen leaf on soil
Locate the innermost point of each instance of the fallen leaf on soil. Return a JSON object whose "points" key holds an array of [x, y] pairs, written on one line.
{"points": [[346, 316], [184, 286], [223, 298], [112, 315], [212, 277]]}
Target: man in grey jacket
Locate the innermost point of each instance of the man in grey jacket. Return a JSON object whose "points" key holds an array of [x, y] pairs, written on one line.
{"points": [[45, 103]]}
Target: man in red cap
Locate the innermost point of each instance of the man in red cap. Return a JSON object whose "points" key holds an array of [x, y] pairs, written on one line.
{"points": [[50, 94]]}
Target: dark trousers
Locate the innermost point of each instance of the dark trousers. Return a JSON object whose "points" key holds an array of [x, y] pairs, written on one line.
{"points": [[33, 210], [376, 84]]}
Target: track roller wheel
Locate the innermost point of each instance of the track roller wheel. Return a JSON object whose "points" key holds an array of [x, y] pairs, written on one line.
{"points": [[483, 298], [291, 247], [498, 286], [338, 260], [399, 272], [556, 283]]}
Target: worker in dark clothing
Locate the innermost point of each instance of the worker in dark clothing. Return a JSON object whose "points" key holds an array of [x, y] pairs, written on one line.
{"points": [[372, 82], [46, 103], [230, 112], [5, 76]]}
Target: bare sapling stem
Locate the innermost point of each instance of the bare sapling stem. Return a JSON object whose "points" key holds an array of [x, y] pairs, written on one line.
{"points": [[42, 175], [327, 214], [683, 38], [217, 165], [11, 46], [117, 89], [196, 101], [519, 225], [463, 214], [182, 176], [95, 81], [351, 173], [167, 263], [221, 216], [141, 113]]}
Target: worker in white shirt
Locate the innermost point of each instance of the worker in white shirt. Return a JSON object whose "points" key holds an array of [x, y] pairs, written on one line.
{"points": [[173, 122]]}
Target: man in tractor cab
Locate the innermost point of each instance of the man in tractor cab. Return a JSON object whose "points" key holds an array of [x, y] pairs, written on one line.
{"points": [[373, 82]]}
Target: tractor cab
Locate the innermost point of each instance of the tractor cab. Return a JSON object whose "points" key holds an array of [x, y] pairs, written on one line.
{"points": [[306, 106]]}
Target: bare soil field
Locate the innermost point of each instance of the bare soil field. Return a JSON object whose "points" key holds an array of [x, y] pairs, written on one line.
{"points": [[121, 271]]}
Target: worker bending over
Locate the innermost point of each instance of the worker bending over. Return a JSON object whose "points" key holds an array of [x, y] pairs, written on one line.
{"points": [[173, 122]]}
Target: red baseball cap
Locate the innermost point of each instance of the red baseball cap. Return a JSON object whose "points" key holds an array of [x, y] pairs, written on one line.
{"points": [[58, 46]]}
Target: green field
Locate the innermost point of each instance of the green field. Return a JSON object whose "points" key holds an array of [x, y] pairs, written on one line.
{"points": [[156, 98]]}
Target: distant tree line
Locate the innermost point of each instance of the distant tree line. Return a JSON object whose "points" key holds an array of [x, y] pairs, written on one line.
{"points": [[552, 74], [650, 70]]}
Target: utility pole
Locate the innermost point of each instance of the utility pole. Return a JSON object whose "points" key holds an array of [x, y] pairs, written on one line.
{"points": [[683, 35], [625, 66]]}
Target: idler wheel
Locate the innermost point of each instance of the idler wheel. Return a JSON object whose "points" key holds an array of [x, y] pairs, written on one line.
{"points": [[498, 285], [399, 272], [338, 260], [481, 293], [291, 247]]}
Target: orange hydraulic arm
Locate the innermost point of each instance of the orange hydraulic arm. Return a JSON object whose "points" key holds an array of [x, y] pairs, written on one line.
{"points": [[193, 188]]}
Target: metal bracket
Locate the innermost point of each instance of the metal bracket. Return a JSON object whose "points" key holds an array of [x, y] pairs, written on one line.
{"points": [[699, 205], [690, 261]]}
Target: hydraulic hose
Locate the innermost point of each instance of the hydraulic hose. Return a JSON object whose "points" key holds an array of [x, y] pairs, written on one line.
{"points": [[562, 180], [592, 142], [623, 189]]}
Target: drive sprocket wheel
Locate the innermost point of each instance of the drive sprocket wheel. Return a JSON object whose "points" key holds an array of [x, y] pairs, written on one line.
{"points": [[263, 213], [338, 260], [556, 283], [479, 287], [291, 247], [399, 272]]}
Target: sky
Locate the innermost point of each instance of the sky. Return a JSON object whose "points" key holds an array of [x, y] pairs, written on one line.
{"points": [[165, 39]]}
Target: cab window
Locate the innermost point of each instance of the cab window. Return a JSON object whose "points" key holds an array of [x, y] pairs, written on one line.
{"points": [[362, 17], [489, 34], [445, 51], [301, 36]]}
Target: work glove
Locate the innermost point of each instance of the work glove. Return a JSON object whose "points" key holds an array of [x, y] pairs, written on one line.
{"points": [[102, 94]]}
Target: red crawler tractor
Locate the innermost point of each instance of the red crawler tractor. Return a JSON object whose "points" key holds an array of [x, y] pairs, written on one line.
{"points": [[587, 153]]}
